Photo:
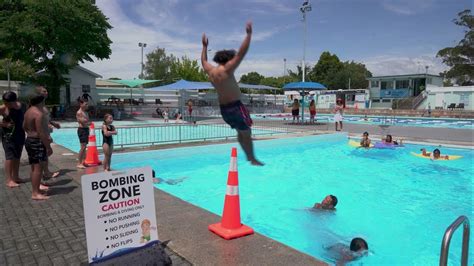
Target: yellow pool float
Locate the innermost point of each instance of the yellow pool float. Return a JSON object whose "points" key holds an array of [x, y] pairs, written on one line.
{"points": [[451, 157], [356, 144]]}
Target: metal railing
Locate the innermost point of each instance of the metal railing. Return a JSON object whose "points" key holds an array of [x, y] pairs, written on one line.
{"points": [[443, 258], [167, 133]]}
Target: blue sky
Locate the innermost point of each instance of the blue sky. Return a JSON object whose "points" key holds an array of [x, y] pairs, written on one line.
{"points": [[389, 36]]}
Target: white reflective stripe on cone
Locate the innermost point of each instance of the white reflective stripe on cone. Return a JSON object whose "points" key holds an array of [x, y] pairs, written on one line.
{"points": [[232, 190], [92, 143], [233, 164], [92, 132]]}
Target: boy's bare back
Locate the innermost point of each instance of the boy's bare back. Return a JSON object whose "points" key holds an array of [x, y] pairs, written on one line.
{"points": [[222, 76]]}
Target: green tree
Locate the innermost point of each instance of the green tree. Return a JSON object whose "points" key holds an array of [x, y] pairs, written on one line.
{"points": [[326, 69], [187, 69], [298, 74], [460, 58], [355, 72], [158, 66], [251, 78], [53, 36], [19, 71]]}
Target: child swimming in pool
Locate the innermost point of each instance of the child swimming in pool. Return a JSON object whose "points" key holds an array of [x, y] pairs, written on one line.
{"points": [[365, 141], [328, 203], [435, 155], [343, 254]]}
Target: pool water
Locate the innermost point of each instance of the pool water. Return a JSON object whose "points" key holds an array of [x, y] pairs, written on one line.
{"points": [[377, 120], [399, 203]]}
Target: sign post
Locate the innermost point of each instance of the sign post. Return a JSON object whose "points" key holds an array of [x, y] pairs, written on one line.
{"points": [[119, 212]]}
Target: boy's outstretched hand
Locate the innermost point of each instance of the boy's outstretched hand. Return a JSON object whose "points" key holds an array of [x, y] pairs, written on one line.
{"points": [[205, 41], [248, 27]]}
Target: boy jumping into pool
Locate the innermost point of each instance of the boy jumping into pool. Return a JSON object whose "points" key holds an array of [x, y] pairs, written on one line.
{"points": [[222, 78]]}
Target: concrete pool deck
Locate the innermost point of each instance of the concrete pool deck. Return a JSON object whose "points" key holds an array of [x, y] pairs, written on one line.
{"points": [[52, 232]]}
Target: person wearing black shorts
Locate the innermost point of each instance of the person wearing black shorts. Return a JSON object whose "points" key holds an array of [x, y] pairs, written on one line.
{"points": [[38, 144], [13, 136], [222, 78], [82, 131]]}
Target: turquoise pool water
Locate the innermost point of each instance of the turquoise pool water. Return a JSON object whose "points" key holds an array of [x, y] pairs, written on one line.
{"points": [[146, 135], [399, 203], [377, 120]]}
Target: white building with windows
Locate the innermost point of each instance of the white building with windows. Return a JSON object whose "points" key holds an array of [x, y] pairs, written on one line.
{"points": [[385, 89]]}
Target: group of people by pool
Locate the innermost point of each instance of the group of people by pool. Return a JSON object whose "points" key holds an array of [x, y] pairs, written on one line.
{"points": [[387, 141]]}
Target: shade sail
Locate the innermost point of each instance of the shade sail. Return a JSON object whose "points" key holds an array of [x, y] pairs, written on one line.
{"points": [[183, 85], [304, 86], [256, 87], [132, 82]]}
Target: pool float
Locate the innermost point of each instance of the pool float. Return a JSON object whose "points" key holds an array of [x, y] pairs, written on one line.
{"points": [[451, 157], [382, 145], [356, 144]]}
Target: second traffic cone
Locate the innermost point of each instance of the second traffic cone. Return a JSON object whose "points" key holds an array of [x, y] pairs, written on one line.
{"points": [[230, 226], [92, 155]]}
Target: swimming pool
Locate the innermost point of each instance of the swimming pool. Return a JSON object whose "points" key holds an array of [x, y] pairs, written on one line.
{"points": [[399, 203], [377, 120], [157, 134], [118, 123]]}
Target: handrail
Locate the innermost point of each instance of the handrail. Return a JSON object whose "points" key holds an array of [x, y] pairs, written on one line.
{"points": [[443, 258]]}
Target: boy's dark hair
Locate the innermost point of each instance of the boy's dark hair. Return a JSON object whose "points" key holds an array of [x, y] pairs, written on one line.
{"points": [[358, 244], [437, 151], [37, 99], [80, 100], [365, 133], [334, 200], [223, 56], [9, 97]]}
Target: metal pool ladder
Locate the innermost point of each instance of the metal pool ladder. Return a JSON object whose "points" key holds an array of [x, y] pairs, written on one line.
{"points": [[443, 258]]}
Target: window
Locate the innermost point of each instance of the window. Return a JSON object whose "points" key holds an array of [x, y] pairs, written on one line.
{"points": [[386, 100], [386, 85], [376, 101], [86, 88], [374, 83], [402, 84]]}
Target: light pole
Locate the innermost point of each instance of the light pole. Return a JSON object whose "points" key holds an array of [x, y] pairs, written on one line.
{"points": [[306, 7], [142, 45]]}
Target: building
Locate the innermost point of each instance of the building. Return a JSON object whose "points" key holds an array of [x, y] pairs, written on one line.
{"points": [[452, 98], [79, 81], [385, 89]]}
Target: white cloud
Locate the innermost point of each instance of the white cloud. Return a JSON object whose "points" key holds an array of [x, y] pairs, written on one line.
{"points": [[399, 65], [407, 7]]}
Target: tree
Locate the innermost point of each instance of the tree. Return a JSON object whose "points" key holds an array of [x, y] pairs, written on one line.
{"points": [[460, 58], [158, 66], [298, 74], [251, 78], [187, 69], [355, 72], [18, 70], [53, 36], [326, 69]]}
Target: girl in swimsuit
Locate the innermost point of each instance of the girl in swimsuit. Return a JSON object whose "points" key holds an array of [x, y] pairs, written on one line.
{"points": [[108, 130]]}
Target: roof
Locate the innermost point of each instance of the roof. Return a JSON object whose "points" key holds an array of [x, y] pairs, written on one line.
{"points": [[78, 67], [183, 85], [304, 86], [403, 76], [106, 83], [133, 82], [256, 87], [88, 71]]}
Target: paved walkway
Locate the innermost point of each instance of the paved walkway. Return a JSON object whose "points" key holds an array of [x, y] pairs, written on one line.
{"points": [[47, 232]]}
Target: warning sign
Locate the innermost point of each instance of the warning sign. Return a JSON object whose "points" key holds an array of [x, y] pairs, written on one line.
{"points": [[119, 212]]}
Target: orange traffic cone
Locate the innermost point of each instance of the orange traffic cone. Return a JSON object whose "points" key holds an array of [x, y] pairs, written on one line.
{"points": [[230, 226], [92, 156]]}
